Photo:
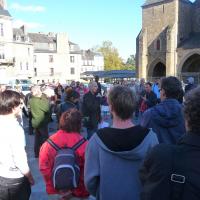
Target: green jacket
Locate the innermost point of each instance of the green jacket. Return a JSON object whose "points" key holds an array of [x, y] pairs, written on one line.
{"points": [[40, 111]]}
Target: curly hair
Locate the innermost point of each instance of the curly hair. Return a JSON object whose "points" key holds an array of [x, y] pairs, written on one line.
{"points": [[192, 110], [70, 121]]}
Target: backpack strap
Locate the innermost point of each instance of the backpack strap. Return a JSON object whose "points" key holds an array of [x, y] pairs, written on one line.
{"points": [[177, 178], [78, 144], [54, 145]]}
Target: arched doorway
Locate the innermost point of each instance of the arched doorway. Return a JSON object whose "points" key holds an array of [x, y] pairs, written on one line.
{"points": [[159, 70], [191, 67], [192, 64]]}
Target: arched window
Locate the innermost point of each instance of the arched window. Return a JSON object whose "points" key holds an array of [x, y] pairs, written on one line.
{"points": [[158, 45]]}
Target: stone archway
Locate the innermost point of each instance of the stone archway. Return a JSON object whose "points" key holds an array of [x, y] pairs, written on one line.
{"points": [[156, 70], [159, 70], [191, 67], [192, 64]]}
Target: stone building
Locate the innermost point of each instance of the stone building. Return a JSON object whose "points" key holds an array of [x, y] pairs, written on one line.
{"points": [[40, 57], [169, 41]]}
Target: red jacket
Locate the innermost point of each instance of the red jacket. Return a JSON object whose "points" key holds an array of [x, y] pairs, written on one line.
{"points": [[48, 153]]}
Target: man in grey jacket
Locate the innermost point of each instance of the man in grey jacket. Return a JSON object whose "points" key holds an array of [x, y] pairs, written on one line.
{"points": [[113, 155]]}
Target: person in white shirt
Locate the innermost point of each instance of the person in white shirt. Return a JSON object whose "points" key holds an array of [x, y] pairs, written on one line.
{"points": [[15, 175]]}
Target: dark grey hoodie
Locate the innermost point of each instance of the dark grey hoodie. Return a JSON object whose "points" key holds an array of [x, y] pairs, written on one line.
{"points": [[113, 158]]}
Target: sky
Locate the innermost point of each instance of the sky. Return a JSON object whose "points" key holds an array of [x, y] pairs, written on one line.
{"points": [[87, 22]]}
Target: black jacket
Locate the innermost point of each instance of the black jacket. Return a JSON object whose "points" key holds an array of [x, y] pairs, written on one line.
{"points": [[157, 168], [91, 110]]}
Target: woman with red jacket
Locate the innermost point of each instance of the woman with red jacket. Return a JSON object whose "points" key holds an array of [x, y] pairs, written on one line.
{"points": [[67, 135]]}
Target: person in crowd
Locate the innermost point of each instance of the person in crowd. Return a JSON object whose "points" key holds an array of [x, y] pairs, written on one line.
{"points": [[2, 87], [166, 118], [91, 109], [26, 101], [71, 101], [15, 174], [67, 135], [58, 94], [191, 85], [156, 89], [172, 172], [82, 90], [114, 154], [40, 111], [148, 97], [98, 84]]}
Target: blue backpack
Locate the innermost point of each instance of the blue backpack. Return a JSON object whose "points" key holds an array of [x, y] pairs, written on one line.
{"points": [[66, 171]]}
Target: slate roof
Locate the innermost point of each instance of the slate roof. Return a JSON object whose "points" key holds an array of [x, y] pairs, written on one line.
{"points": [[192, 42], [41, 38], [4, 12], [150, 2], [44, 51], [111, 74], [18, 31], [89, 55]]}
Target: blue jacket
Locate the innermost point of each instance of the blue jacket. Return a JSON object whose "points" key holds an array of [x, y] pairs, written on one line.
{"points": [[113, 158], [166, 120]]}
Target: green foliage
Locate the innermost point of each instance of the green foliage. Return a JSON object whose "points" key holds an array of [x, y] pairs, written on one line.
{"points": [[130, 63], [112, 61]]}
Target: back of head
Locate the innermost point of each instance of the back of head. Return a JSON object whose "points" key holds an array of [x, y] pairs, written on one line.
{"points": [[8, 101], [172, 87], [71, 94], [36, 91], [192, 110], [122, 101], [190, 80], [70, 121]]}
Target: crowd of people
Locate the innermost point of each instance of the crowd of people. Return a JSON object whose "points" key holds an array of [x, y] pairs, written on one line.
{"points": [[142, 141]]}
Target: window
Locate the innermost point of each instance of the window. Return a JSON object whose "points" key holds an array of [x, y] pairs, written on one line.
{"points": [[35, 71], [29, 51], [50, 58], [72, 70], [26, 65], [51, 71], [2, 31], [158, 45], [21, 66], [34, 58], [72, 59]]}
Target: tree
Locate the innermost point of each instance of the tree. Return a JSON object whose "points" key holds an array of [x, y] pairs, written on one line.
{"points": [[130, 63], [112, 61]]}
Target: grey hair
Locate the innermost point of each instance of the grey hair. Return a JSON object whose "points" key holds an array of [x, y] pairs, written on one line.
{"points": [[92, 84]]}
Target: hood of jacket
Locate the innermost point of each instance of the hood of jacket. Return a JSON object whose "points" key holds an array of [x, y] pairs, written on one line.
{"points": [[168, 113], [133, 147]]}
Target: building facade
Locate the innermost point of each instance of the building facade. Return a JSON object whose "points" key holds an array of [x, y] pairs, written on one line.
{"points": [[169, 41], [40, 57]]}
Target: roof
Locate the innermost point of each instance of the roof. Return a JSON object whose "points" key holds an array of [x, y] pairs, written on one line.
{"points": [[71, 43], [89, 55], [150, 2], [4, 12], [192, 42], [111, 74], [44, 51], [18, 31], [41, 38]]}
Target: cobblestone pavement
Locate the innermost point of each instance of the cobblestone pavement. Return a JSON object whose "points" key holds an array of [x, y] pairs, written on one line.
{"points": [[38, 190]]}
